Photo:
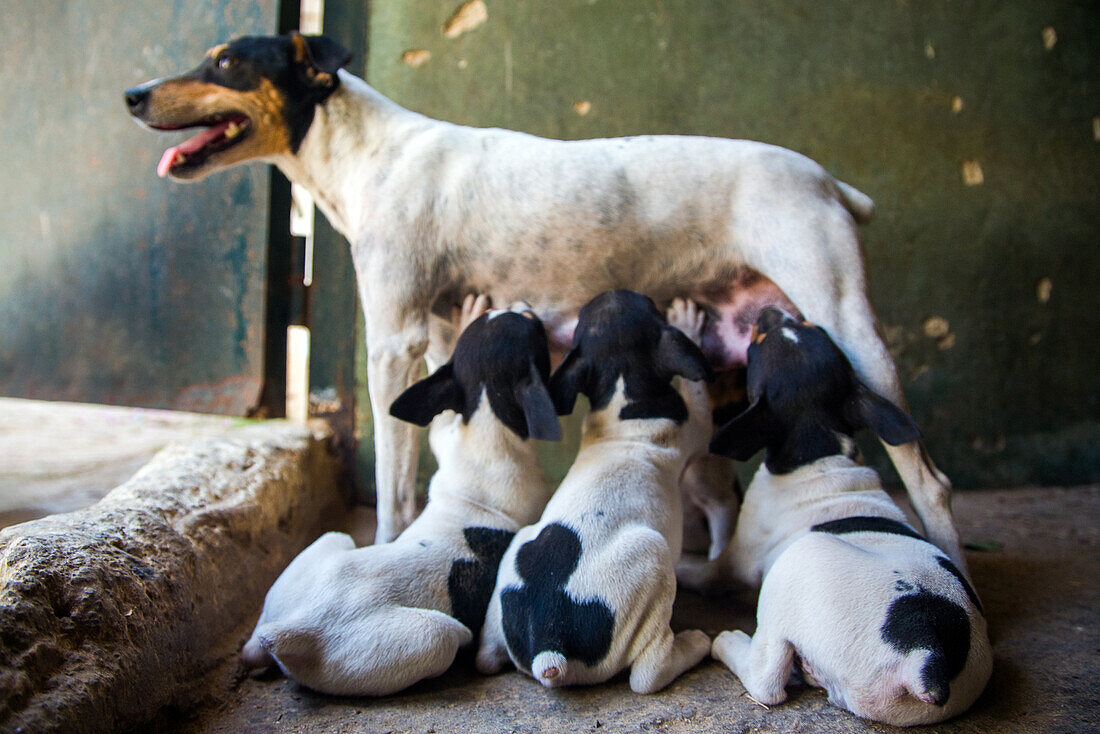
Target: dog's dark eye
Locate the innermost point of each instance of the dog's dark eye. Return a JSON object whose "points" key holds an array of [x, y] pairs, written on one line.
{"points": [[226, 62]]}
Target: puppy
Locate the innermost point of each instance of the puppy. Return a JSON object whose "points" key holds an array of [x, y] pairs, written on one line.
{"points": [[870, 611], [588, 591], [374, 620]]}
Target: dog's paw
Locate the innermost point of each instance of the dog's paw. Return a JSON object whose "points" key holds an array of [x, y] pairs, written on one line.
{"points": [[686, 316], [473, 305]]}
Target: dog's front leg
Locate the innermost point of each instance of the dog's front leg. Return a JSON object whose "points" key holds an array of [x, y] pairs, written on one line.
{"points": [[394, 349]]}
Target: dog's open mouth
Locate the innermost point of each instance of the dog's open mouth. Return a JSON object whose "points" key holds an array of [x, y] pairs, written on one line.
{"points": [[222, 132]]}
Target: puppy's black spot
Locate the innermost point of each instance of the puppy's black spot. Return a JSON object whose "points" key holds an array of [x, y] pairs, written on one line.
{"points": [[952, 569], [423, 544], [863, 524], [900, 585], [927, 621], [541, 616], [470, 582]]}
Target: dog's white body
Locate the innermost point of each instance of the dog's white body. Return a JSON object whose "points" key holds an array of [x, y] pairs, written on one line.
{"points": [[621, 498], [825, 597], [435, 210], [375, 620]]}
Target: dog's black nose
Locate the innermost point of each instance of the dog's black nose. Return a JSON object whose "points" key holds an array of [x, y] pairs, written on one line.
{"points": [[136, 99]]}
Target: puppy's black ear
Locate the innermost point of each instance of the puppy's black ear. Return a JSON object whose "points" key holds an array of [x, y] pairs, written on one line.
{"points": [[679, 355], [428, 398], [744, 435], [319, 56], [893, 425], [569, 379], [538, 408]]}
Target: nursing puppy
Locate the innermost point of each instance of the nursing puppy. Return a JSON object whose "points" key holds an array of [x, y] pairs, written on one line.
{"points": [[375, 620], [871, 612], [588, 591]]}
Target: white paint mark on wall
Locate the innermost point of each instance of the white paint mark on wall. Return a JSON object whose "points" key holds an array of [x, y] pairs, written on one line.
{"points": [[1096, 128], [956, 104], [468, 16], [416, 57], [929, 50], [935, 327], [972, 173], [1050, 37], [1043, 290], [583, 107]]}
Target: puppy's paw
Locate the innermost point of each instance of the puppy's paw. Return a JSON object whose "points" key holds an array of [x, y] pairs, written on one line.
{"points": [[686, 316], [472, 307], [731, 647]]}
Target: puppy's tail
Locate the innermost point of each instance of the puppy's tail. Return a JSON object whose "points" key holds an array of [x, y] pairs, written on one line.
{"points": [[930, 683], [549, 668], [858, 204]]}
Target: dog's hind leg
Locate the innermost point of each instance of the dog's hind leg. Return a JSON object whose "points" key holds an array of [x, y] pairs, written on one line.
{"points": [[762, 662], [667, 658], [492, 653]]}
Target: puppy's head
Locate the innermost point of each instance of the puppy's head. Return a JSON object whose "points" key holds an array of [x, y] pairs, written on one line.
{"points": [[804, 397], [621, 334], [502, 355], [254, 98]]}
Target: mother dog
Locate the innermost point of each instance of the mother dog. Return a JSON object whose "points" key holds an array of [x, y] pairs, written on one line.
{"points": [[434, 211]]}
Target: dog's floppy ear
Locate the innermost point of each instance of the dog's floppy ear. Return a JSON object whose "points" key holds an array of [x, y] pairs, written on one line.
{"points": [[538, 408], [679, 355], [744, 435], [428, 398], [893, 425], [569, 379], [319, 56]]}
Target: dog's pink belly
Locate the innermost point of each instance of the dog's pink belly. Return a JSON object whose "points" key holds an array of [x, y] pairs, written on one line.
{"points": [[731, 316]]}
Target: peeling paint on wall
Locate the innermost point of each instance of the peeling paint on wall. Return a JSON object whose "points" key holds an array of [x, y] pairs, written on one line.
{"points": [[972, 173], [469, 16], [416, 57], [929, 50], [935, 327], [583, 107], [1050, 37], [1043, 289], [956, 104]]}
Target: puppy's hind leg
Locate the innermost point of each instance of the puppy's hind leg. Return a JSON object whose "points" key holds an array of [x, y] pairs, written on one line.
{"points": [[394, 648], [667, 658], [763, 663], [708, 482], [492, 653]]}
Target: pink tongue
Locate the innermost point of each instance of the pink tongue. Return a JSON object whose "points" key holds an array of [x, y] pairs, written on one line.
{"points": [[191, 145]]}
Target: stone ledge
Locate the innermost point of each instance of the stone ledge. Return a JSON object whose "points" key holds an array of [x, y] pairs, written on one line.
{"points": [[109, 614]]}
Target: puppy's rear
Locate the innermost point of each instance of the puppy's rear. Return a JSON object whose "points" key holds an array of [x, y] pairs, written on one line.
{"points": [[876, 615]]}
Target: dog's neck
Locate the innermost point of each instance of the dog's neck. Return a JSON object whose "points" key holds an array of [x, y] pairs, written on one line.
{"points": [[604, 427], [350, 131], [780, 507], [485, 465]]}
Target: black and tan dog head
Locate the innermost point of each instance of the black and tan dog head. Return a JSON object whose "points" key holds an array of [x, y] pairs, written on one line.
{"points": [[805, 399], [254, 97]]}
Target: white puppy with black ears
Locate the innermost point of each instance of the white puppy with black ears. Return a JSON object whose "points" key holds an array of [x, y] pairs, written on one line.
{"points": [[868, 609], [587, 592], [375, 620]]}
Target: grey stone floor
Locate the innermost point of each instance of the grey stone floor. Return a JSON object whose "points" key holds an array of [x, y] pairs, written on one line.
{"points": [[1039, 581]]}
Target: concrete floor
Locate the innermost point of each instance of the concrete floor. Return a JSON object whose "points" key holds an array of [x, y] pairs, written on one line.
{"points": [[1039, 580]]}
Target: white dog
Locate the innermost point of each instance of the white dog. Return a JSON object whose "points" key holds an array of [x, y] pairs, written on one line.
{"points": [[434, 211], [588, 591], [374, 620], [868, 609]]}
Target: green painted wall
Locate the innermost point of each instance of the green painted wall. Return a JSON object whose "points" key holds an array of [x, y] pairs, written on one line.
{"points": [[117, 286], [986, 291]]}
